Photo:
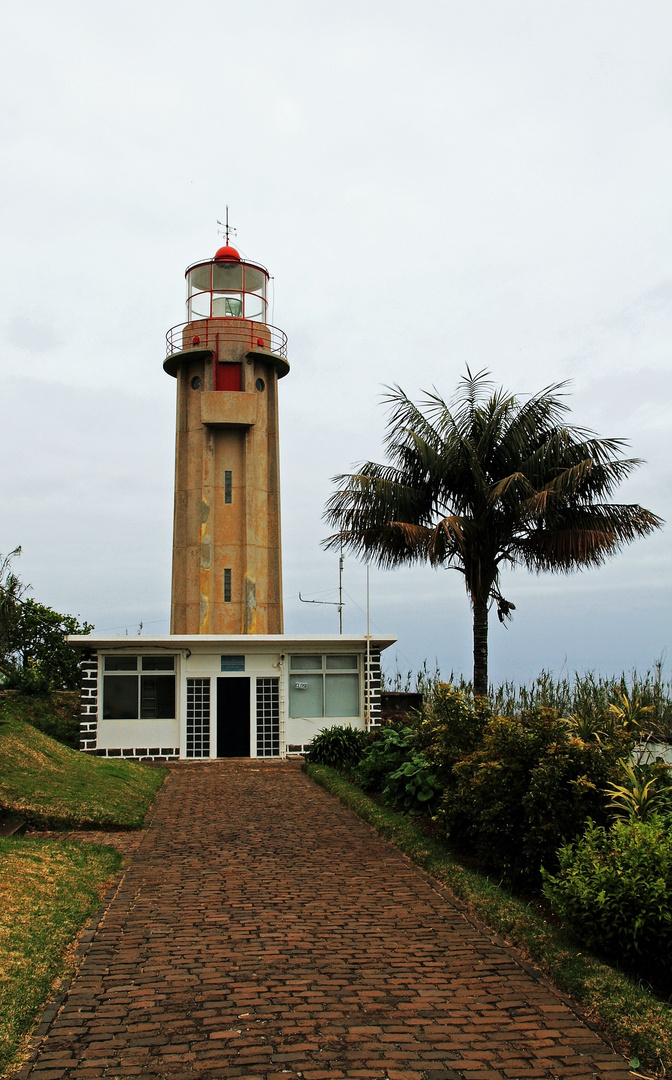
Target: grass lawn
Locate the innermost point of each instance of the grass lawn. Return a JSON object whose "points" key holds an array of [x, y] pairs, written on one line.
{"points": [[48, 890], [53, 786], [635, 1019], [56, 714]]}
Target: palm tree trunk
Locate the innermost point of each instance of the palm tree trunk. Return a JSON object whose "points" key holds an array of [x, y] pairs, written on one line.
{"points": [[480, 647]]}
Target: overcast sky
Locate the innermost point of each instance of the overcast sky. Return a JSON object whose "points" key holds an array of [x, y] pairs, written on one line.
{"points": [[431, 184]]}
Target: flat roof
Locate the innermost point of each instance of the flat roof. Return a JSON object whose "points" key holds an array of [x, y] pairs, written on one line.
{"points": [[228, 642]]}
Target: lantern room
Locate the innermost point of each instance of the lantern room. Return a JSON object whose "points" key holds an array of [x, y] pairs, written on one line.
{"points": [[227, 287]]}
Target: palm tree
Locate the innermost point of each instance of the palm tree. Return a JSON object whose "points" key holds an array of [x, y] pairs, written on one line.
{"points": [[487, 481]]}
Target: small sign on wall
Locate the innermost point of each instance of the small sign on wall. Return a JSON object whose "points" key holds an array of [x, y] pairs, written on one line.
{"points": [[233, 663], [300, 685]]}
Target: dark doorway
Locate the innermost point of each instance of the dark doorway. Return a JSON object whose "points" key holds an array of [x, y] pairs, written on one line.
{"points": [[233, 717]]}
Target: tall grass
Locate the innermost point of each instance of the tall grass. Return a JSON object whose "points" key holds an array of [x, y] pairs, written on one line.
{"points": [[579, 694]]}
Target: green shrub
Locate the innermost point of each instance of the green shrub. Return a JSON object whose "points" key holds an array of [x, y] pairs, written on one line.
{"points": [[390, 748], [35, 656], [394, 765], [530, 786], [614, 889], [337, 747], [451, 727]]}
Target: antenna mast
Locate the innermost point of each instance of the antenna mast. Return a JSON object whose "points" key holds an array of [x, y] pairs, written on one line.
{"points": [[228, 229], [340, 591], [333, 603]]}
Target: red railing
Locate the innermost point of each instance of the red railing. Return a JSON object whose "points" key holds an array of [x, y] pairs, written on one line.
{"points": [[202, 334]]}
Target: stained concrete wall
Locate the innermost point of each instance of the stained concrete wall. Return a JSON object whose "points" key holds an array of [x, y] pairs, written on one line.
{"points": [[219, 431]]}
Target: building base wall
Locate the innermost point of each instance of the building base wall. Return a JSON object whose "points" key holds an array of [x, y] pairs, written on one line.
{"points": [[277, 676]]}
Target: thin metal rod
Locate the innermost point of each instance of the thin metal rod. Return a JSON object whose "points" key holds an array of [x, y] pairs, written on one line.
{"points": [[367, 676], [340, 592]]}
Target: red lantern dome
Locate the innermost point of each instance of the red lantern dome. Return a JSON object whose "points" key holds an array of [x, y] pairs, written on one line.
{"points": [[227, 254]]}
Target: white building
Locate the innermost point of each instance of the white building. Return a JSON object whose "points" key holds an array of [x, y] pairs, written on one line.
{"points": [[207, 696]]}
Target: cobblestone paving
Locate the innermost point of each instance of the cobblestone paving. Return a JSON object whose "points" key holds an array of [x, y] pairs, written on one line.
{"points": [[263, 931]]}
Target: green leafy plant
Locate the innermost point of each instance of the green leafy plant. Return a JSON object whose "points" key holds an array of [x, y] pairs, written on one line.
{"points": [[614, 889], [643, 793], [412, 787], [591, 697], [389, 749], [338, 747], [586, 726], [630, 712]]}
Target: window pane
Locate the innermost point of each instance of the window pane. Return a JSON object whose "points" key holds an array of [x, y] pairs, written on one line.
{"points": [[305, 695], [157, 697], [305, 663], [199, 278], [226, 304], [121, 663], [254, 308], [158, 663], [199, 306], [255, 280], [227, 276], [342, 695], [120, 697], [342, 663]]}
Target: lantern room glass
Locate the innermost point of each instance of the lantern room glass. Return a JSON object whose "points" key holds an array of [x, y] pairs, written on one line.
{"points": [[226, 290]]}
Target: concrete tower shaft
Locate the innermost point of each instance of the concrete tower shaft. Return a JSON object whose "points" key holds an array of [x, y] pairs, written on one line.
{"points": [[227, 573]]}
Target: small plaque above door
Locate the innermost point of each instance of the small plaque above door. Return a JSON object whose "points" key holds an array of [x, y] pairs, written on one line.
{"points": [[232, 663]]}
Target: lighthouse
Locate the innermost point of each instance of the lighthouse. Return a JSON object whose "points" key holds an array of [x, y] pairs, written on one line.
{"points": [[227, 359], [227, 681]]}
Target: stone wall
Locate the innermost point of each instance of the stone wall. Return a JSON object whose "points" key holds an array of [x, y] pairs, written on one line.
{"points": [[88, 724]]}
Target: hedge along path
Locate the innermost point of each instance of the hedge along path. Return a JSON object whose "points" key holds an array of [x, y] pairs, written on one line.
{"points": [[263, 931]]}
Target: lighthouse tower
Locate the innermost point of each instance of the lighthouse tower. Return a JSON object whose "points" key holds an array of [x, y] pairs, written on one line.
{"points": [[227, 360]]}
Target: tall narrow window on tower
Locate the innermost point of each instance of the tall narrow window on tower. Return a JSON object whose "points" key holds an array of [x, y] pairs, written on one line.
{"points": [[227, 486], [227, 586]]}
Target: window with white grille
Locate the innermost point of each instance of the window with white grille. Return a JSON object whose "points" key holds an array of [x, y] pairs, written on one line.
{"points": [[198, 718], [268, 718]]}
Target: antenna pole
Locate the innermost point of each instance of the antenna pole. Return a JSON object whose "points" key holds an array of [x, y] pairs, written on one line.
{"points": [[340, 592], [367, 678], [228, 229]]}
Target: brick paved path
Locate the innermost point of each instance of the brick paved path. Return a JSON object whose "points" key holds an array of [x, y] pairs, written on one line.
{"points": [[126, 841], [263, 931]]}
